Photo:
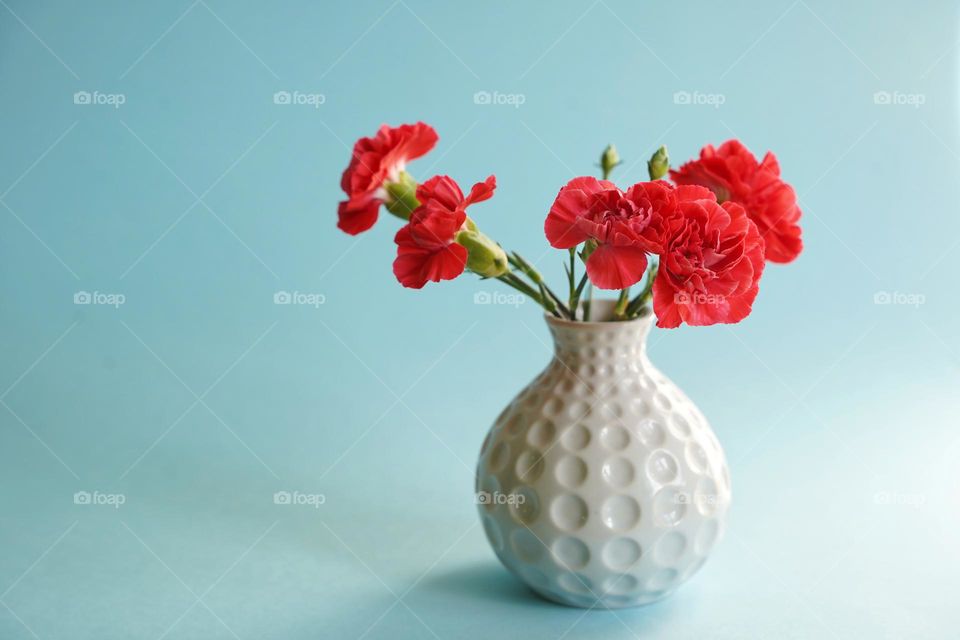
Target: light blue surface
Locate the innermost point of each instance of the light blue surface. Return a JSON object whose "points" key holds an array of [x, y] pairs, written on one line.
{"points": [[199, 398]]}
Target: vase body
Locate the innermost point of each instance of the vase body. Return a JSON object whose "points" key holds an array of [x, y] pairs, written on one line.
{"points": [[602, 484]]}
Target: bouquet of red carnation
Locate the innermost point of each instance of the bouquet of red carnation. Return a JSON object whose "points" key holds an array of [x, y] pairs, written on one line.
{"points": [[600, 483], [698, 243]]}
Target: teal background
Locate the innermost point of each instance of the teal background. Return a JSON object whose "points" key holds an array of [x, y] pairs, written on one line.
{"points": [[198, 398]]}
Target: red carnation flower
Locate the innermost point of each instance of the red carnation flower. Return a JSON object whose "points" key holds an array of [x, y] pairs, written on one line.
{"points": [[625, 226], [426, 246], [375, 161], [711, 265], [733, 173]]}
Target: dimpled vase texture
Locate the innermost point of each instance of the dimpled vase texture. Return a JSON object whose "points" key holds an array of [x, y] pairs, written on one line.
{"points": [[602, 484]]}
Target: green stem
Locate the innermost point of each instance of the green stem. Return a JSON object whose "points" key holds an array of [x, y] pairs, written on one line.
{"points": [[517, 260], [578, 292], [644, 296], [588, 303], [516, 283], [548, 303], [572, 300], [620, 311], [563, 308]]}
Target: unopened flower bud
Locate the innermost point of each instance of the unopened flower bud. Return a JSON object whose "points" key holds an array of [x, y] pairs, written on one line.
{"points": [[401, 197], [484, 256], [609, 160], [659, 164]]}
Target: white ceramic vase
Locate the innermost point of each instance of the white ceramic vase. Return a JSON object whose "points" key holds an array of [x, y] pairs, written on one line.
{"points": [[602, 484]]}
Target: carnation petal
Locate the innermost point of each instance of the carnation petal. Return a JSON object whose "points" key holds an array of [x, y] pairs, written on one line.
{"points": [[572, 203], [664, 303], [481, 191], [415, 266], [616, 267], [356, 216], [440, 190]]}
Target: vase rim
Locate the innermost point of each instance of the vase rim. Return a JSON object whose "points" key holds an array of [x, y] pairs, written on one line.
{"points": [[605, 309]]}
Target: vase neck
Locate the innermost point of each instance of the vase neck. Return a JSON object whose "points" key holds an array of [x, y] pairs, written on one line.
{"points": [[576, 342]]}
